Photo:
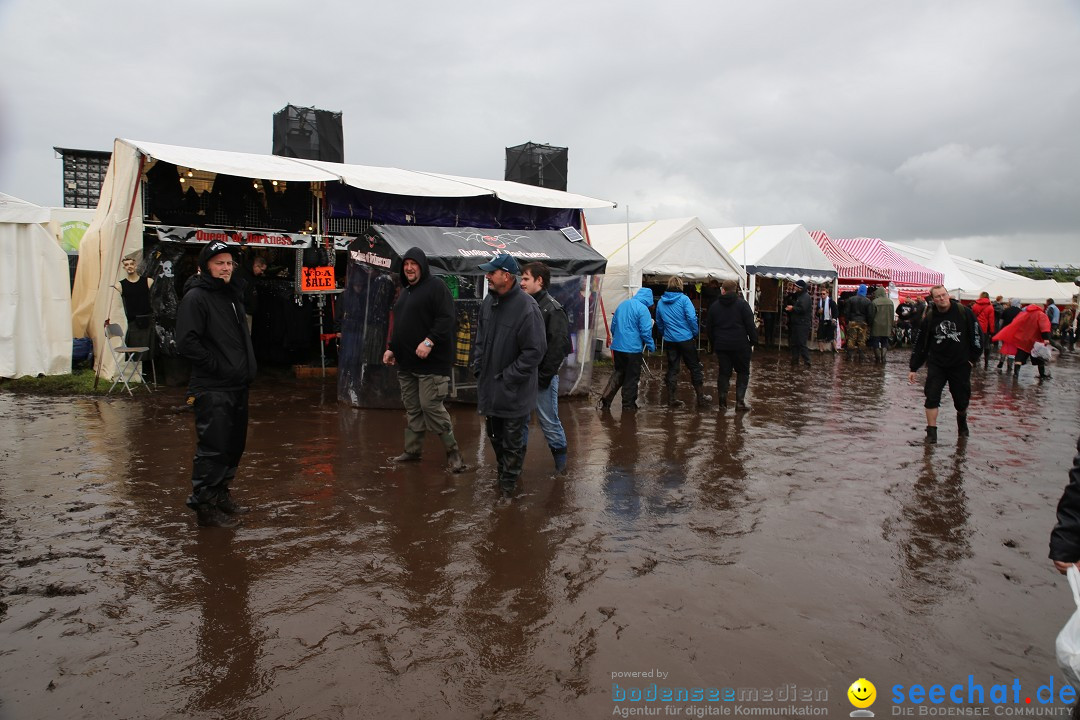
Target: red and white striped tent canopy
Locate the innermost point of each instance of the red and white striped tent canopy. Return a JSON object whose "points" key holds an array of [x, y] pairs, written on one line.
{"points": [[901, 270], [849, 269]]}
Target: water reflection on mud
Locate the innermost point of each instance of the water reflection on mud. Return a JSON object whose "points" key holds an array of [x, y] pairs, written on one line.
{"points": [[809, 542]]}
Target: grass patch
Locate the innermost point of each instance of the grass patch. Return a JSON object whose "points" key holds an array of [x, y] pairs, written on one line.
{"points": [[81, 382]]}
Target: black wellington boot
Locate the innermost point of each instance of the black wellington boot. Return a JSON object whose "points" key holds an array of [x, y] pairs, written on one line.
{"points": [[703, 400], [961, 425], [672, 400], [210, 516], [931, 434]]}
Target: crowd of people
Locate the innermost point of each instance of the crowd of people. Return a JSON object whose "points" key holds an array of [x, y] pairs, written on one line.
{"points": [[523, 340], [947, 336]]}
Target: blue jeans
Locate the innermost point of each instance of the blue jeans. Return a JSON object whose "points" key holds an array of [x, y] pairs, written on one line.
{"points": [[547, 412]]}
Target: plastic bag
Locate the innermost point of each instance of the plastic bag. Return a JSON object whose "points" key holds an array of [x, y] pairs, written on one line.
{"points": [[1068, 640], [1041, 350]]}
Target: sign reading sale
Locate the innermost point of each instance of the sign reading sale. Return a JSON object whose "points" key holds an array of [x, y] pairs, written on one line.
{"points": [[317, 279]]}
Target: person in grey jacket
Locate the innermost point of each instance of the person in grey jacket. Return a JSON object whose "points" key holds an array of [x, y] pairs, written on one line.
{"points": [[510, 344]]}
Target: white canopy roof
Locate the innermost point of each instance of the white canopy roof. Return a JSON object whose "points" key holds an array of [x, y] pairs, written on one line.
{"points": [[393, 181], [681, 246], [14, 210], [779, 251]]}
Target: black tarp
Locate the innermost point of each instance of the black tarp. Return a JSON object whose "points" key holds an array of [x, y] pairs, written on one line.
{"points": [[459, 251]]}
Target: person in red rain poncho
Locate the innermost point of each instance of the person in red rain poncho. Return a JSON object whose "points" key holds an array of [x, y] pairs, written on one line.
{"points": [[1029, 327], [984, 315]]}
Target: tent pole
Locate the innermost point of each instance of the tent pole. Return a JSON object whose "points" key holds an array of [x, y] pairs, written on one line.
{"points": [[629, 275]]}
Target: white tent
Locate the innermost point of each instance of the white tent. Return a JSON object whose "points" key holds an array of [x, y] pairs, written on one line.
{"points": [[682, 246], [956, 280], [35, 300], [986, 278], [785, 252]]}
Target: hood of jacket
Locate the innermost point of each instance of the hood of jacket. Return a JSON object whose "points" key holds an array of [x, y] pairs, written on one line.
{"points": [[644, 295], [983, 301], [669, 297], [862, 290], [728, 299], [415, 253], [1034, 308], [879, 293]]}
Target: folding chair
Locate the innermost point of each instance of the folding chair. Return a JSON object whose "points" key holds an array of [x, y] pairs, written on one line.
{"points": [[127, 359]]}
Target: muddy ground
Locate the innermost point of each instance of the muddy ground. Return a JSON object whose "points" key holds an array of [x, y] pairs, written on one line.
{"points": [[806, 544]]}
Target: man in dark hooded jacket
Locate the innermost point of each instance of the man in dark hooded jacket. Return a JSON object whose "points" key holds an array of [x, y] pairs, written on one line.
{"points": [[800, 317], [510, 344], [211, 332], [733, 334], [422, 347]]}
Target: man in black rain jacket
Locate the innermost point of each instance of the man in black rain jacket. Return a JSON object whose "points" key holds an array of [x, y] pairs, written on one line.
{"points": [[211, 332]]}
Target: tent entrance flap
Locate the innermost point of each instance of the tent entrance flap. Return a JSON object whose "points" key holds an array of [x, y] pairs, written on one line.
{"points": [[458, 251]]}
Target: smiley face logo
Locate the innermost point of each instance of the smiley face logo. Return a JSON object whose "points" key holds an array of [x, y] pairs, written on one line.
{"points": [[862, 693]]}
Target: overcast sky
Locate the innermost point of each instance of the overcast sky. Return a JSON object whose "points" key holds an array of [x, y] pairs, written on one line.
{"points": [[956, 120]]}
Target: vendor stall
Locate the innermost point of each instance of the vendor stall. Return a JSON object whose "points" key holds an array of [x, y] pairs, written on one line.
{"points": [[297, 217]]}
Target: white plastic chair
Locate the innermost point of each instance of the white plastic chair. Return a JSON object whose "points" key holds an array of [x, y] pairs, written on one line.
{"points": [[127, 359]]}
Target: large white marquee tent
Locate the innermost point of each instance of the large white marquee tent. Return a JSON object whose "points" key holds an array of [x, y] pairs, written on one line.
{"points": [[969, 277], [35, 300]]}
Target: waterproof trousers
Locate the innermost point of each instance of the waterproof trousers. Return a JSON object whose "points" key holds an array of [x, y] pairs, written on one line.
{"points": [[684, 351], [627, 376], [221, 420], [739, 361], [507, 437]]}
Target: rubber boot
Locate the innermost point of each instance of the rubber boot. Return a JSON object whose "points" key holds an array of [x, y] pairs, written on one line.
{"points": [[228, 506], [740, 394], [931, 435], [1001, 362], [208, 515], [859, 353], [721, 397], [1009, 366], [454, 463], [672, 400], [703, 400], [610, 389], [559, 455], [961, 425], [1016, 370], [414, 442]]}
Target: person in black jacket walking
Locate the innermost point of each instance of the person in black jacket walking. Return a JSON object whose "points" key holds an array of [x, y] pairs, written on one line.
{"points": [[1065, 537], [535, 279], [211, 332], [422, 347], [800, 317], [950, 343], [733, 334], [510, 344]]}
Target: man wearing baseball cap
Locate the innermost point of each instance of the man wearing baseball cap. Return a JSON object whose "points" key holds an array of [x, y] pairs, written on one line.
{"points": [[510, 343], [212, 332]]}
